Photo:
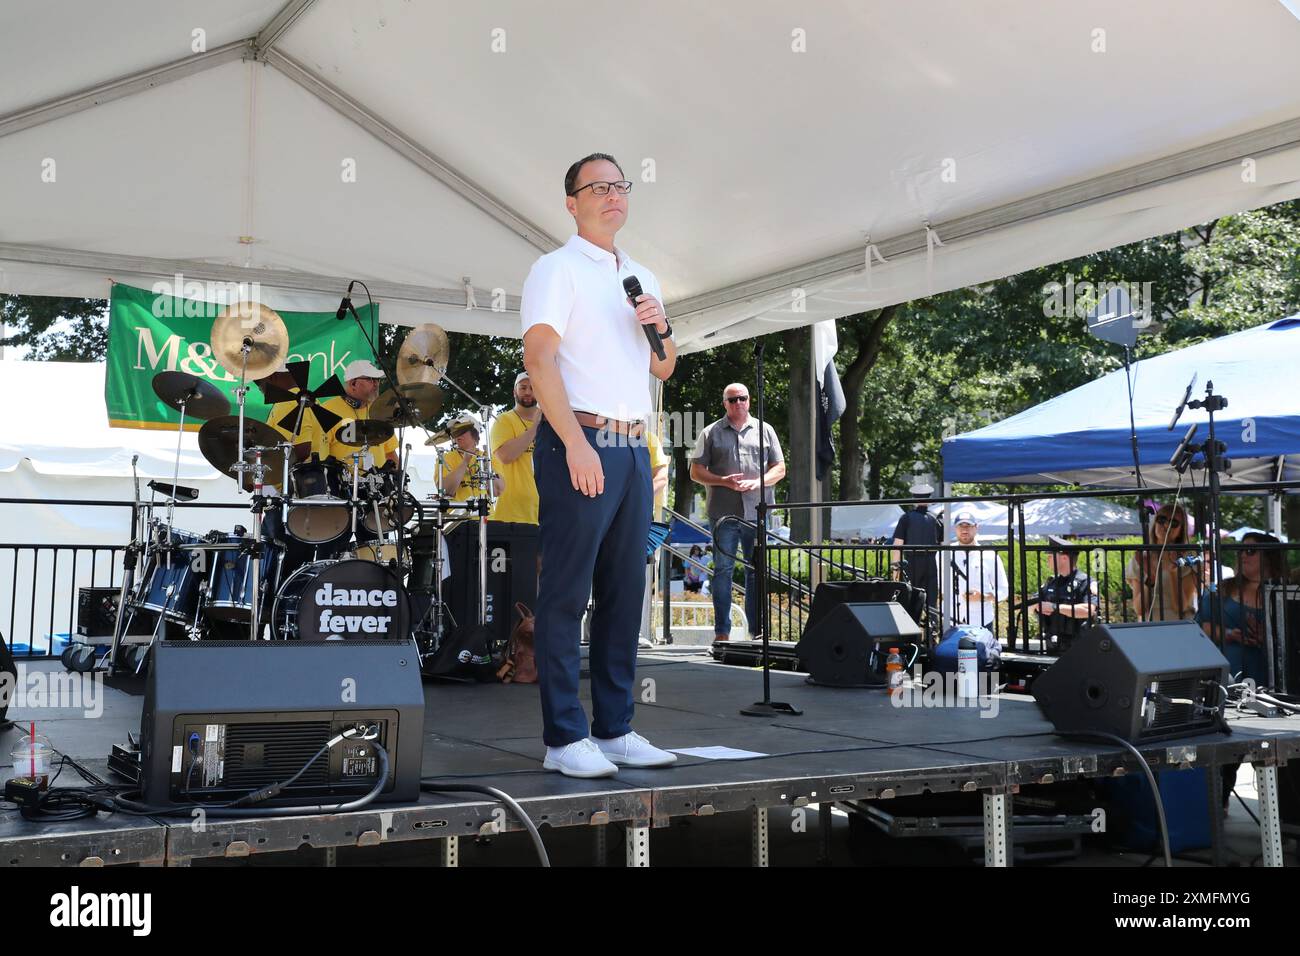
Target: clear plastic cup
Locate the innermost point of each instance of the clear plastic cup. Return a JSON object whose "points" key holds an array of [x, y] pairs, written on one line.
{"points": [[32, 757]]}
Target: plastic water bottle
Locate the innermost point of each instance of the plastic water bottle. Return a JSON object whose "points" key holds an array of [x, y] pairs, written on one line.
{"points": [[894, 668], [968, 665]]}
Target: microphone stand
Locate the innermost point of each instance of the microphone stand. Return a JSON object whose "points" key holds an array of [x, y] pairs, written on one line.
{"points": [[405, 415], [1215, 461], [767, 707]]}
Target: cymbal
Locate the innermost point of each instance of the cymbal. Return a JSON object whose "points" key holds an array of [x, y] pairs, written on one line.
{"points": [[264, 331], [439, 438], [201, 398], [423, 355], [356, 432], [422, 399], [219, 444]]}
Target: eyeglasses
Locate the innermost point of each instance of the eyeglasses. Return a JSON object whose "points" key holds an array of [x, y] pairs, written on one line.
{"points": [[732, 399], [1165, 519], [601, 189]]}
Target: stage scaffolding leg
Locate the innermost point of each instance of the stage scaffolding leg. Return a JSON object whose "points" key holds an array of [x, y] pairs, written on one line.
{"points": [[638, 845], [758, 837], [997, 829], [1270, 827], [600, 848], [331, 856], [449, 851], [1214, 794], [825, 821]]}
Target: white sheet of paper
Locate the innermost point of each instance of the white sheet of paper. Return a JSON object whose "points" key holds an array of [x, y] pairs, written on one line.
{"points": [[715, 753]]}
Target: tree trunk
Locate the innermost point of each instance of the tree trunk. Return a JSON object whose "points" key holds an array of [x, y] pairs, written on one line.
{"points": [[868, 332], [796, 445]]}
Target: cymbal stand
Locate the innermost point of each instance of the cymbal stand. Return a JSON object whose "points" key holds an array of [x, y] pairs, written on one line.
{"points": [[129, 558], [259, 473], [240, 392]]}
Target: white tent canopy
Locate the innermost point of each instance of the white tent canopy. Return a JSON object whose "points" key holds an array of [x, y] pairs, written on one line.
{"points": [[420, 146], [1067, 517]]}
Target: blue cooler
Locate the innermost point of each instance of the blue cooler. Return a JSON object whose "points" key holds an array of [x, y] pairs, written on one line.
{"points": [[1131, 815]]}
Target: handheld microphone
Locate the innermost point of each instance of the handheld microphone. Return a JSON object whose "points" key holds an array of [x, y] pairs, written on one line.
{"points": [[632, 286], [346, 304]]}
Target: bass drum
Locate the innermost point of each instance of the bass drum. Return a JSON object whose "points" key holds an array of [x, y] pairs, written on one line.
{"points": [[342, 600]]}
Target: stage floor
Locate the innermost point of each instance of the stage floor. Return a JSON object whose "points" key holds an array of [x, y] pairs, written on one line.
{"points": [[848, 745]]}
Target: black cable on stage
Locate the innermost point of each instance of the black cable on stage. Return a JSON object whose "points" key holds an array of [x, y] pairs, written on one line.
{"points": [[442, 786], [1146, 768], [238, 809]]}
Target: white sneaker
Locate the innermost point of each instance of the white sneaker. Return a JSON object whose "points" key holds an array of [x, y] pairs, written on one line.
{"points": [[633, 750], [581, 758]]}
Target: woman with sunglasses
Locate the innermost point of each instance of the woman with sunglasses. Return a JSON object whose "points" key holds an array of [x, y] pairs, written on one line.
{"points": [[1242, 641], [1162, 591]]}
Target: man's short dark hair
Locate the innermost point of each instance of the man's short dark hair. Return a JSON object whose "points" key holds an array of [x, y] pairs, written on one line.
{"points": [[571, 177]]}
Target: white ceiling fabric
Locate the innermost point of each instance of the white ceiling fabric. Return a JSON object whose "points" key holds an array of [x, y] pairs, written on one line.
{"points": [[999, 125]]}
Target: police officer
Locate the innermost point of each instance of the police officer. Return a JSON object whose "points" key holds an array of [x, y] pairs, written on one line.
{"points": [[1066, 601], [919, 527]]}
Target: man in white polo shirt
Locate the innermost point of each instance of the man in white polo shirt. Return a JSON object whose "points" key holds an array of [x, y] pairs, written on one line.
{"points": [[590, 363]]}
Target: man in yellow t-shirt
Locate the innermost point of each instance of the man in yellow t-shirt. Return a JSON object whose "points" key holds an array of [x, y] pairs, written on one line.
{"points": [[463, 465], [512, 437], [361, 382]]}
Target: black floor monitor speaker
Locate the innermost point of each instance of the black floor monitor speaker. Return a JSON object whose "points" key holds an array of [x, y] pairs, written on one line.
{"points": [[1141, 682], [848, 645], [8, 679], [830, 594], [223, 718]]}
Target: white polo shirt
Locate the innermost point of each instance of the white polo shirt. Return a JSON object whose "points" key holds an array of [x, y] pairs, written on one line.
{"points": [[604, 357]]}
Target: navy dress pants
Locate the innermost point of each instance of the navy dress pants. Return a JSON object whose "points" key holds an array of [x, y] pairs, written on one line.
{"points": [[590, 547]]}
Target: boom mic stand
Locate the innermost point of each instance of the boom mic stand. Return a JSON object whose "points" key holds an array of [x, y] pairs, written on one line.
{"points": [[767, 707]]}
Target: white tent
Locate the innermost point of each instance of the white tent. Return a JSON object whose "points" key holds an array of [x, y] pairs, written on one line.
{"points": [[864, 521], [776, 149], [1075, 517]]}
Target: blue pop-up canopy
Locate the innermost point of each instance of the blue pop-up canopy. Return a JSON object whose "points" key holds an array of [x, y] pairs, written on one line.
{"points": [[1082, 437]]}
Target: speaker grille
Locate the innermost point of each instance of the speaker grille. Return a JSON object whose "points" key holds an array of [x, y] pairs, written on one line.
{"points": [[1177, 715], [260, 754]]}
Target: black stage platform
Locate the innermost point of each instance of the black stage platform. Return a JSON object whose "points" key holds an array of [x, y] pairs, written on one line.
{"points": [[849, 745]]}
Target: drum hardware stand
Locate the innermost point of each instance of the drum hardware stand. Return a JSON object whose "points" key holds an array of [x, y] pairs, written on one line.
{"points": [[129, 558], [259, 473]]}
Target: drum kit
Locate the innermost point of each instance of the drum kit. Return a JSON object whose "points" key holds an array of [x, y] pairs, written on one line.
{"points": [[347, 551]]}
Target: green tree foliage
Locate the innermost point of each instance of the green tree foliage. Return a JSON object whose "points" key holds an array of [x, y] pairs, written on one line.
{"points": [[54, 329]]}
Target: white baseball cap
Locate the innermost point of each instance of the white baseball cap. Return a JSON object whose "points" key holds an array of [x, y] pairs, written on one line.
{"points": [[520, 377], [361, 368]]}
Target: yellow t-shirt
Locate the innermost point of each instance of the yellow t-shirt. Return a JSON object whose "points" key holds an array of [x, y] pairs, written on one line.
{"points": [[657, 460], [467, 489], [308, 432], [518, 501], [337, 449]]}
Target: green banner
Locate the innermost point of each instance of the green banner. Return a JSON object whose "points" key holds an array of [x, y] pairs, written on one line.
{"points": [[152, 332]]}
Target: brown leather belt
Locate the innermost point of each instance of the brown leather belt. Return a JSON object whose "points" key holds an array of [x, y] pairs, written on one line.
{"points": [[630, 429]]}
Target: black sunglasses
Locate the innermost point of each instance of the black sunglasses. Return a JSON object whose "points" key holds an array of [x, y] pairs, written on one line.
{"points": [[737, 398]]}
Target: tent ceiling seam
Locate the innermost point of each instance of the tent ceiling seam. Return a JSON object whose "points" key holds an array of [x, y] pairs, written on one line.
{"points": [[279, 25], [407, 147], [1098, 189], [206, 271], [123, 86]]}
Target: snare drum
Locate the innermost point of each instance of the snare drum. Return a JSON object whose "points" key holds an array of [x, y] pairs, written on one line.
{"points": [[380, 511], [170, 584], [319, 512], [342, 600]]}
